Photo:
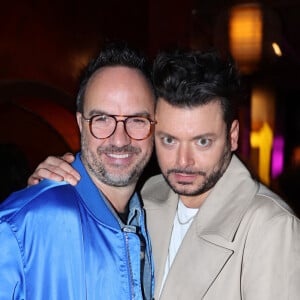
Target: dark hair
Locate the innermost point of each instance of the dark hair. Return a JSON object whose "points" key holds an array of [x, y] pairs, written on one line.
{"points": [[113, 54], [192, 78]]}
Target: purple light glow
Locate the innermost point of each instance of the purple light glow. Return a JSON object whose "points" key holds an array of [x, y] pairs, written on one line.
{"points": [[277, 156]]}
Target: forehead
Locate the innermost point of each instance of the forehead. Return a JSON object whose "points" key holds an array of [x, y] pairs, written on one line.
{"points": [[119, 90], [192, 121]]}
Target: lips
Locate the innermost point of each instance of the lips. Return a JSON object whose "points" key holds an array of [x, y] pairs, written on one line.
{"points": [[118, 160], [184, 178], [118, 156]]}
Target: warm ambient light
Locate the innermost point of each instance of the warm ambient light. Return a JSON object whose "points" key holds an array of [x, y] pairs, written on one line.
{"points": [[263, 140], [245, 35], [263, 106], [276, 49]]}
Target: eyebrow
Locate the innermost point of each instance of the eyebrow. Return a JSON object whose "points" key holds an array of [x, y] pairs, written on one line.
{"points": [[94, 112], [200, 136]]}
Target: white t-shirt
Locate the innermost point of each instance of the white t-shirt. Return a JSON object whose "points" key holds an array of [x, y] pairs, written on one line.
{"points": [[182, 221]]}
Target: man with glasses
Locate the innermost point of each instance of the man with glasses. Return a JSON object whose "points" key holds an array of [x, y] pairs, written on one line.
{"points": [[89, 241]]}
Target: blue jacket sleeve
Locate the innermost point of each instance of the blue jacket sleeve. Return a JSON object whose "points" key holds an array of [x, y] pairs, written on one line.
{"points": [[11, 266]]}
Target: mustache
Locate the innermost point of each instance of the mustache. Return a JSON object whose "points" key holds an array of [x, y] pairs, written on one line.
{"points": [[115, 149], [187, 172]]}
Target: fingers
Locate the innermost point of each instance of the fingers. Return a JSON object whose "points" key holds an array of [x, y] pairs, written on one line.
{"points": [[68, 157], [32, 180], [55, 168], [43, 173]]}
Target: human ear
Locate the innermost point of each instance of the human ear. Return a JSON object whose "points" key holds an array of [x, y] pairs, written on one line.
{"points": [[79, 120], [234, 135]]}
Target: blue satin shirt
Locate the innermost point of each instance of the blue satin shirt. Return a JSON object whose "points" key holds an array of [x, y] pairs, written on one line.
{"points": [[60, 242]]}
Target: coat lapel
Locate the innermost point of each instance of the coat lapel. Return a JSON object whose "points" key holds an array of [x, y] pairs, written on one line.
{"points": [[194, 271]]}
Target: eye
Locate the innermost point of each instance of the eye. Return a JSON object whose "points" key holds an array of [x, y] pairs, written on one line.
{"points": [[102, 120], [204, 142], [137, 122], [168, 140]]}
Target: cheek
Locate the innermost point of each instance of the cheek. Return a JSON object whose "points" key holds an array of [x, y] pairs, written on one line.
{"points": [[146, 145], [214, 160], [89, 142], [210, 158], [164, 157]]}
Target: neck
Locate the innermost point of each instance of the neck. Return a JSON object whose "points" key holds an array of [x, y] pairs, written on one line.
{"points": [[194, 201], [117, 196]]}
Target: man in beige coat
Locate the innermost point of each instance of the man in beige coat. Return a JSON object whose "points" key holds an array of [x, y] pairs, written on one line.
{"points": [[216, 232], [242, 244]]}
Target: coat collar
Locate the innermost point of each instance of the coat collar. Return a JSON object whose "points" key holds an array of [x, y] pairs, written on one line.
{"points": [[222, 211]]}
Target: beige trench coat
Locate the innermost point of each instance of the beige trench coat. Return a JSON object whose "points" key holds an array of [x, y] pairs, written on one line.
{"points": [[243, 243]]}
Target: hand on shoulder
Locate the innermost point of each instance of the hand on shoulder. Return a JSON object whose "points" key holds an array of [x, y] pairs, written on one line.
{"points": [[55, 168]]}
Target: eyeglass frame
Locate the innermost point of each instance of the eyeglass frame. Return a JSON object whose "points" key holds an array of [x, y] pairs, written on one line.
{"points": [[90, 121]]}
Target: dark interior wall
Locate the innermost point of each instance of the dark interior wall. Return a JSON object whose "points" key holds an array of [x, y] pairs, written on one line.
{"points": [[52, 40], [169, 24]]}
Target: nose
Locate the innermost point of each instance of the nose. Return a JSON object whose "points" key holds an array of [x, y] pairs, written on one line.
{"points": [[120, 137], [185, 157]]}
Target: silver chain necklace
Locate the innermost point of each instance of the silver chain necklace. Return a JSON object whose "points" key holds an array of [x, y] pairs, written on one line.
{"points": [[183, 222]]}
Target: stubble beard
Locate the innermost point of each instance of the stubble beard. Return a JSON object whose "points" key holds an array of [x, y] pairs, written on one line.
{"points": [[118, 178], [209, 179]]}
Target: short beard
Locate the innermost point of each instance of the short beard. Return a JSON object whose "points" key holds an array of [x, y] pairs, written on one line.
{"points": [[210, 180], [96, 167]]}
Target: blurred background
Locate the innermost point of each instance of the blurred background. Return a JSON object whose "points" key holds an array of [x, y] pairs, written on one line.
{"points": [[45, 45]]}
